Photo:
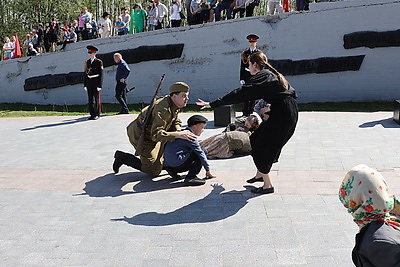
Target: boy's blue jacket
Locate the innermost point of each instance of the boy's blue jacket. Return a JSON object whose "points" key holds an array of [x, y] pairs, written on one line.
{"points": [[177, 151]]}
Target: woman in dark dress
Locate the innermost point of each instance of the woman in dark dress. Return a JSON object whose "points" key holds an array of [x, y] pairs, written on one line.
{"points": [[267, 141]]}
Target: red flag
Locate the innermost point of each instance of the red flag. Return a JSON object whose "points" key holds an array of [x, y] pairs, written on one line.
{"points": [[17, 50], [285, 5]]}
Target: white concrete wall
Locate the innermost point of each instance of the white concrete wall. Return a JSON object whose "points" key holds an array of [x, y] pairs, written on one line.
{"points": [[211, 57]]}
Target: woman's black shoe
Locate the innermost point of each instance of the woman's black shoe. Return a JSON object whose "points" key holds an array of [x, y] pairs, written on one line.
{"points": [[255, 179], [261, 190]]}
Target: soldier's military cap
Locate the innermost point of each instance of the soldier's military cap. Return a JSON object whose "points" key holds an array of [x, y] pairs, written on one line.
{"points": [[252, 37], [92, 49], [179, 87], [195, 119]]}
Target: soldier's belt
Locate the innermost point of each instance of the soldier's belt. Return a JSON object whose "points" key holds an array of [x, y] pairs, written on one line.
{"points": [[93, 76]]}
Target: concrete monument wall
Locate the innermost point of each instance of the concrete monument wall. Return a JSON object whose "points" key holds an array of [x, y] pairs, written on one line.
{"points": [[340, 51]]}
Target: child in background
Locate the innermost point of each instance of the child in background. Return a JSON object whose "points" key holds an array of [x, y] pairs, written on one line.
{"points": [[120, 26]]}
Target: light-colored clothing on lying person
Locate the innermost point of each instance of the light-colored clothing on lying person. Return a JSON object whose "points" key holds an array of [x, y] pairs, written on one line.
{"points": [[227, 144]]}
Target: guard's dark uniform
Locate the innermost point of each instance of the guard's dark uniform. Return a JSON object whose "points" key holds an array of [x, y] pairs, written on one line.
{"points": [[268, 140], [245, 75], [93, 79], [244, 63]]}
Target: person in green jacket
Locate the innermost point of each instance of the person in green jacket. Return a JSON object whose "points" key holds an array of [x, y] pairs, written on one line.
{"points": [[138, 19]]}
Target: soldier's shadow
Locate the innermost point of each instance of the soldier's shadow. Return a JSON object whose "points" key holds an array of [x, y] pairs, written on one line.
{"points": [[62, 123], [111, 185], [385, 123], [215, 206]]}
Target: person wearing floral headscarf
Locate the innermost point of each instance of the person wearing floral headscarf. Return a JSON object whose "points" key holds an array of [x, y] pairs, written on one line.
{"points": [[364, 193]]}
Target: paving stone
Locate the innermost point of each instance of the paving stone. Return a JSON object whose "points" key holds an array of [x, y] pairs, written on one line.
{"points": [[65, 207]]}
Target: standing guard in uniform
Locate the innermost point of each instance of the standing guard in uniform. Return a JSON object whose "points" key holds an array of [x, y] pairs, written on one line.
{"points": [[244, 71], [93, 80]]}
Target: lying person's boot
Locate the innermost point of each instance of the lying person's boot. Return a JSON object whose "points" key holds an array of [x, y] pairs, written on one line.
{"points": [[127, 159], [194, 181], [172, 173]]}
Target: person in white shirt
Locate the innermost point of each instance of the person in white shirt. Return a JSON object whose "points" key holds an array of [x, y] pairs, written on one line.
{"points": [[105, 25], [7, 48], [162, 12], [12, 40], [27, 41], [176, 8]]}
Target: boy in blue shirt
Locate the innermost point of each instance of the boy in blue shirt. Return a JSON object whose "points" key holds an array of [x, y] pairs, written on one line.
{"points": [[182, 155], [120, 26], [69, 37]]}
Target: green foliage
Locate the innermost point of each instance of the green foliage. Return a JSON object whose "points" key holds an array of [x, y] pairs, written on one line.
{"points": [[21, 16]]}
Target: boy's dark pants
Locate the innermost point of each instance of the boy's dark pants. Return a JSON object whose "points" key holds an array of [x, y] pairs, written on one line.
{"points": [[192, 164]]}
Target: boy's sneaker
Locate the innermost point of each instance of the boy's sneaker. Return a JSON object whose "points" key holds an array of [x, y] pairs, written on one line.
{"points": [[194, 181]]}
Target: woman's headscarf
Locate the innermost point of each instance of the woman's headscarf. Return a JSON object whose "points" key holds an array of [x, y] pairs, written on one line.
{"points": [[364, 193]]}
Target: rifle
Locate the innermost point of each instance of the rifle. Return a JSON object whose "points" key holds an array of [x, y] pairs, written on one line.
{"points": [[139, 147]]}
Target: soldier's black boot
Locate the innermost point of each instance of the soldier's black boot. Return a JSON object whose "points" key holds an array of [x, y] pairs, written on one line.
{"points": [[127, 159], [117, 161], [132, 161]]}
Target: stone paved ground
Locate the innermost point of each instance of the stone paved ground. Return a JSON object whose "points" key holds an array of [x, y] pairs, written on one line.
{"points": [[61, 204]]}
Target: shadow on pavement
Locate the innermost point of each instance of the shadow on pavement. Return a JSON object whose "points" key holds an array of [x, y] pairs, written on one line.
{"points": [[64, 122], [215, 206], [111, 185], [386, 123]]}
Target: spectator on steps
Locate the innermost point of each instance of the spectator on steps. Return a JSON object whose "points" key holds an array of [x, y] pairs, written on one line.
{"points": [[7, 49]]}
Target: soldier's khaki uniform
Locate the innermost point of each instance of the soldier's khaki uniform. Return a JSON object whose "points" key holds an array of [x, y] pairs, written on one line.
{"points": [[162, 127]]}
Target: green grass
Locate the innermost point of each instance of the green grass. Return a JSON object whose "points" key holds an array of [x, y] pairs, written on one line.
{"points": [[31, 110]]}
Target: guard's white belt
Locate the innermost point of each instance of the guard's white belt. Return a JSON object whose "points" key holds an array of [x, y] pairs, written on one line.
{"points": [[93, 76]]}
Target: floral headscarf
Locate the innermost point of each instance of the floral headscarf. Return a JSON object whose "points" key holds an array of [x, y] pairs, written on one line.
{"points": [[364, 193]]}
